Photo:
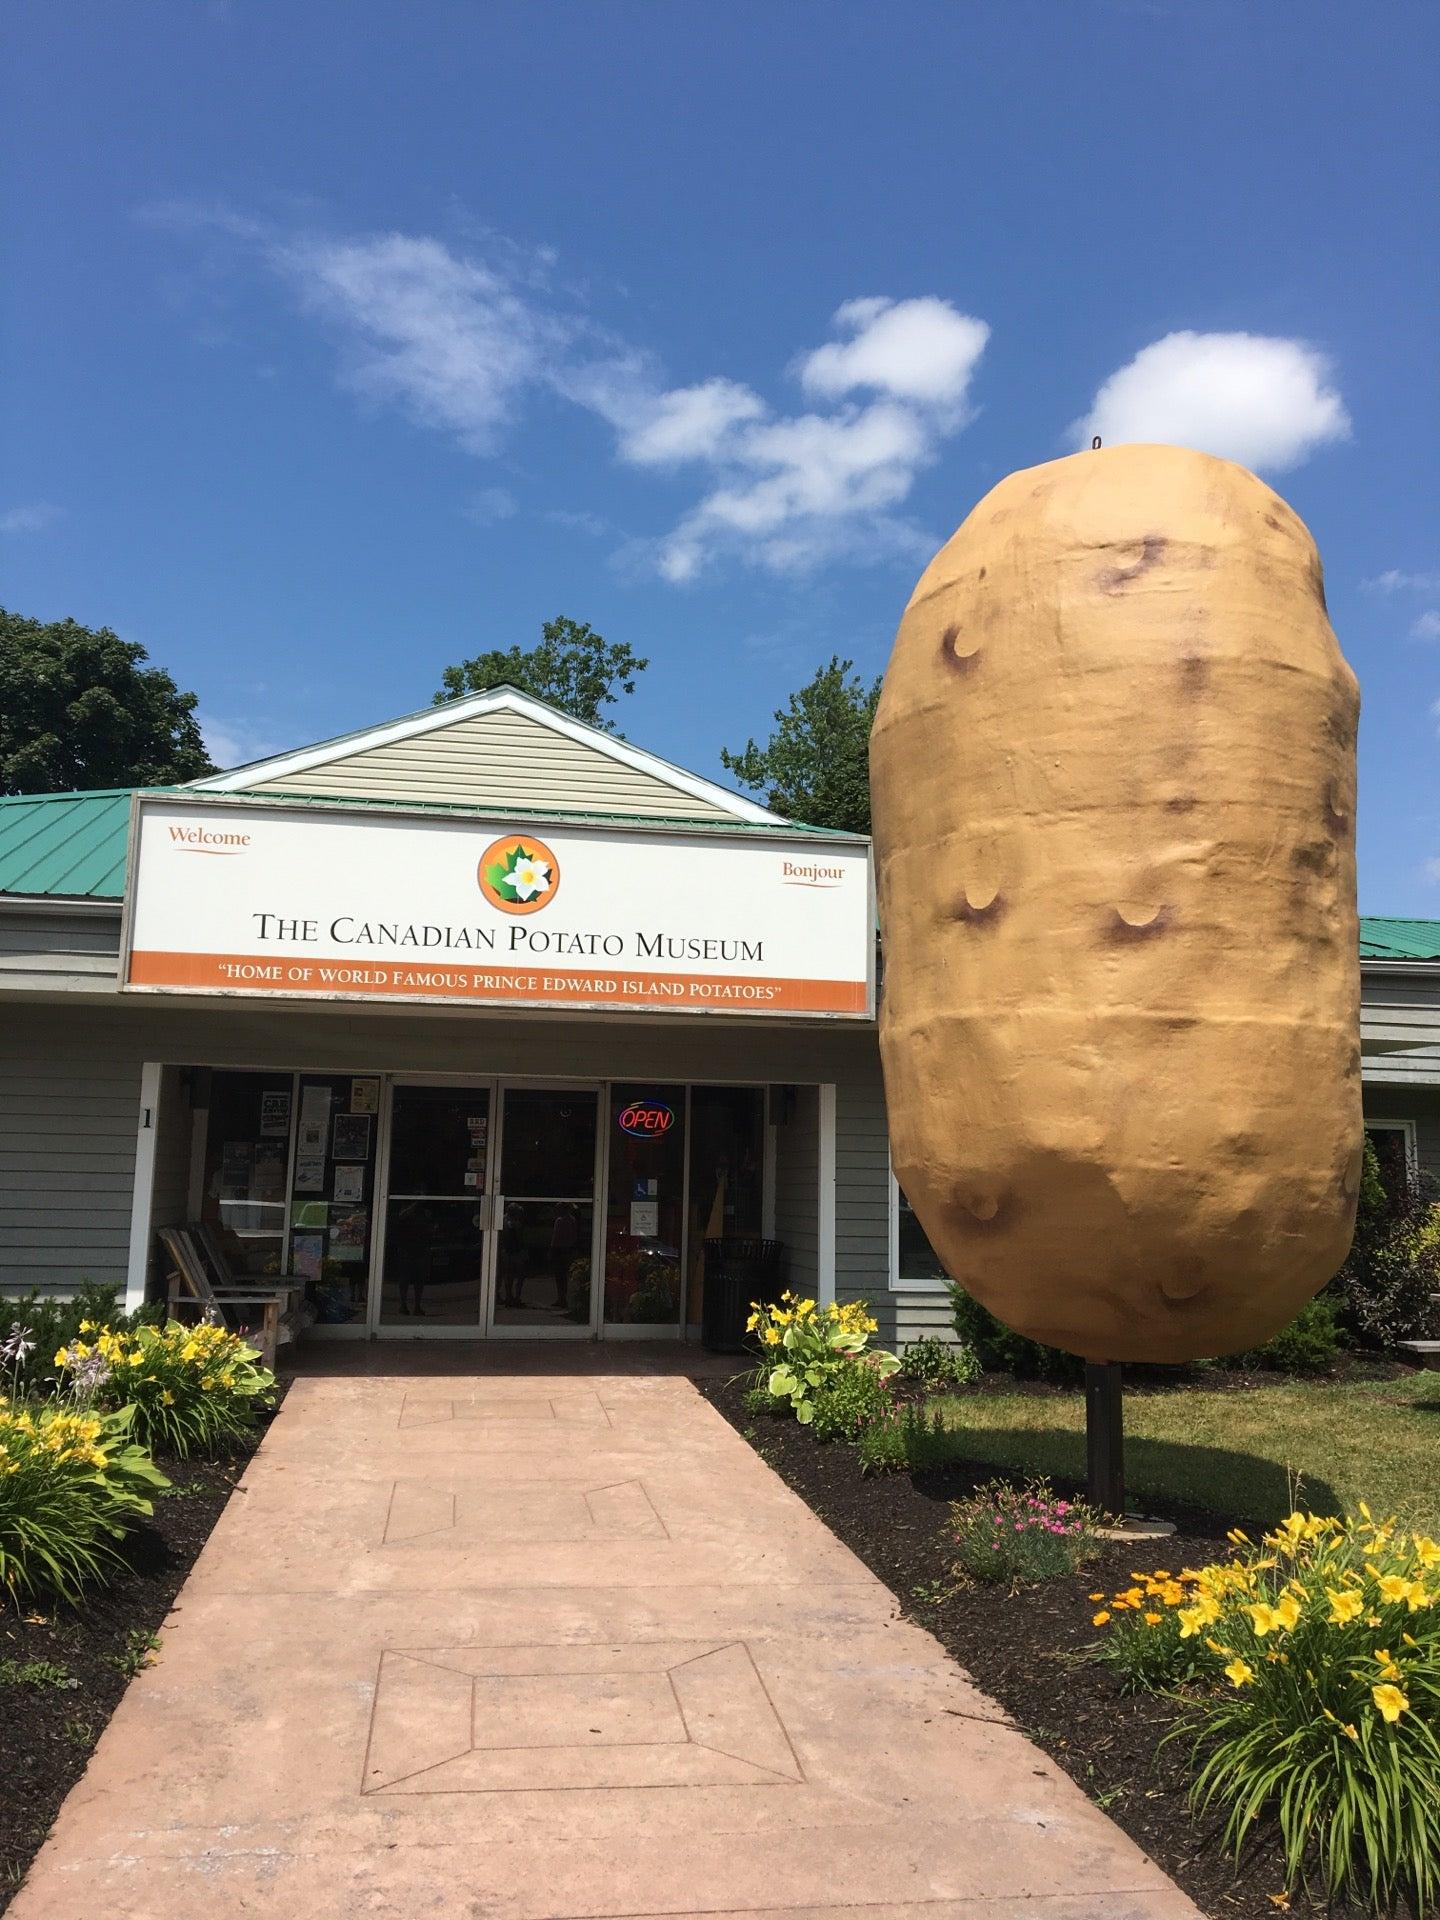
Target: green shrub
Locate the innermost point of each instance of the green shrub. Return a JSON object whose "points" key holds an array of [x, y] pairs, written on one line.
{"points": [[848, 1401], [1384, 1288], [1000, 1350], [1320, 1654], [193, 1389], [936, 1366], [905, 1439], [1308, 1345], [1017, 1536], [70, 1484]]}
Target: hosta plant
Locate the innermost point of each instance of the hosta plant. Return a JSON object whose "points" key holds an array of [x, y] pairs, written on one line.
{"points": [[70, 1483], [803, 1346], [1318, 1653], [194, 1389]]}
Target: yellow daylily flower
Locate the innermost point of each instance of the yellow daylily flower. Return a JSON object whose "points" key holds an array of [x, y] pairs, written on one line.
{"points": [[1344, 1605], [1391, 1703], [1240, 1673]]}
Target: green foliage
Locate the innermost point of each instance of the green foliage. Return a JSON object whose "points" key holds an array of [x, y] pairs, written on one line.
{"points": [[78, 708], [1393, 1267], [34, 1673], [70, 1484], [1017, 1536], [815, 766], [906, 1438], [853, 1396], [1308, 1345], [999, 1350], [1320, 1653], [805, 1345], [190, 1389], [938, 1366], [37, 1326], [573, 668]]}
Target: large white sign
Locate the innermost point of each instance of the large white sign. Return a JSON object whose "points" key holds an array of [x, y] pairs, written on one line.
{"points": [[245, 898]]}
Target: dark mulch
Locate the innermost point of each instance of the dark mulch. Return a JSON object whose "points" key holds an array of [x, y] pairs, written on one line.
{"points": [[1033, 1650], [48, 1731]]}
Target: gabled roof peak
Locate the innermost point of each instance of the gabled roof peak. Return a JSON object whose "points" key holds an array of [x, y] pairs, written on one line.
{"points": [[448, 713]]}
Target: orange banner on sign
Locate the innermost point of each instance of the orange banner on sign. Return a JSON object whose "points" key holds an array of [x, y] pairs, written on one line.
{"points": [[538, 986]]}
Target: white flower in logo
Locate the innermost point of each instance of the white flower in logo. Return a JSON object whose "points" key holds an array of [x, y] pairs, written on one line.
{"points": [[530, 877]]}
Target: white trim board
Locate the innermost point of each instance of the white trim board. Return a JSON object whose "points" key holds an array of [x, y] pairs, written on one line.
{"points": [[473, 706]]}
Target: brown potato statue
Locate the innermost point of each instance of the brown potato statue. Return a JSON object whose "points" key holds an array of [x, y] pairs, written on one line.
{"points": [[1113, 770]]}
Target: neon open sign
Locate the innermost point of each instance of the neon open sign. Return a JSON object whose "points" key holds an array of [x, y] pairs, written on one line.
{"points": [[648, 1118]]}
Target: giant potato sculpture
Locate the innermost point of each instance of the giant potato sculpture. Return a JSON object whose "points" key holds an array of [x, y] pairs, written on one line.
{"points": [[1113, 770]]}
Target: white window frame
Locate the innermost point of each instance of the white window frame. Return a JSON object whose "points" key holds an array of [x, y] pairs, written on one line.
{"points": [[1378, 1123], [897, 1284]]}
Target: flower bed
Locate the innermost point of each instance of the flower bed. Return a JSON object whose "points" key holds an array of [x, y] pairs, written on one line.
{"points": [[1035, 1651], [63, 1669]]}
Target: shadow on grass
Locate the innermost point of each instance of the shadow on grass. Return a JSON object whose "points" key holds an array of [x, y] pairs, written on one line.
{"points": [[1165, 1477]]}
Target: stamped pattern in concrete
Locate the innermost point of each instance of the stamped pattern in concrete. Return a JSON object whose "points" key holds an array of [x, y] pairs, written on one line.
{"points": [[541, 1637]]}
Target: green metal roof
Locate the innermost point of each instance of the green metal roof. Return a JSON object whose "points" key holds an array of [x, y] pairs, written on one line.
{"points": [[67, 844], [73, 845], [1399, 939]]}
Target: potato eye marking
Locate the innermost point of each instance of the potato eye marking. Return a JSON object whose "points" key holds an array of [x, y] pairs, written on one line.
{"points": [[958, 653], [1129, 922], [981, 911], [981, 1209], [1182, 803], [1337, 818], [1194, 675], [1116, 579]]}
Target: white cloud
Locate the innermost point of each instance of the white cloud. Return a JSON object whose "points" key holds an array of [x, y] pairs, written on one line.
{"points": [[1393, 580], [795, 491], [689, 423], [37, 517], [490, 505], [446, 338], [235, 742], [921, 350], [1427, 626], [1262, 401], [460, 343]]}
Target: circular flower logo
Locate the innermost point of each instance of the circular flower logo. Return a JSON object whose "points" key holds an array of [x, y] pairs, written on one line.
{"points": [[519, 874]]}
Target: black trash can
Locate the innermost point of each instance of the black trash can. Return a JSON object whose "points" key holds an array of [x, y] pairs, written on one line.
{"points": [[738, 1271]]}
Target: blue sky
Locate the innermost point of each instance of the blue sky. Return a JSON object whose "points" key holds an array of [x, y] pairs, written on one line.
{"points": [[343, 340]]}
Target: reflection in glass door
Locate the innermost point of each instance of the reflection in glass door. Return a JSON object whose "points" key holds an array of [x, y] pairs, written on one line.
{"points": [[544, 1208], [435, 1206]]}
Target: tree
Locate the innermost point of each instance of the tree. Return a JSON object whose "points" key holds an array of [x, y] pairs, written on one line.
{"points": [[79, 708], [573, 668], [816, 764]]}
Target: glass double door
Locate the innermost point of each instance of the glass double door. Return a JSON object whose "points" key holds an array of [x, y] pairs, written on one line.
{"points": [[489, 1209]]}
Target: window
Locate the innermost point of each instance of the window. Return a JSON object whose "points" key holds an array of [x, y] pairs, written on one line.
{"points": [[1394, 1144], [913, 1261]]}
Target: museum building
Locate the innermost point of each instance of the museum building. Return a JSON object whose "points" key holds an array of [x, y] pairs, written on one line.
{"points": [[484, 1022]]}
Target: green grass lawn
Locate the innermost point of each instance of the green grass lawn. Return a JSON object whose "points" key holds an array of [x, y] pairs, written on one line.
{"points": [[1235, 1453]]}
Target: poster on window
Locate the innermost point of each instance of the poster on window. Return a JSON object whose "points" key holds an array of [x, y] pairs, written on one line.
{"points": [[364, 1096], [314, 1119], [275, 1115], [349, 1183], [310, 1172], [349, 1229], [351, 1139], [307, 1250]]}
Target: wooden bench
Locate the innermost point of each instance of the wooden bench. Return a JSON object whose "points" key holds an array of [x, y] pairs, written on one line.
{"points": [[267, 1314]]}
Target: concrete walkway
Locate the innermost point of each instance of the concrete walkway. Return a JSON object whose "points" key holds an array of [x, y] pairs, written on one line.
{"points": [[542, 1641]]}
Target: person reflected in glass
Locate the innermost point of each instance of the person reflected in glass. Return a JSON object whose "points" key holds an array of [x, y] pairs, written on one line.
{"points": [[564, 1237]]}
